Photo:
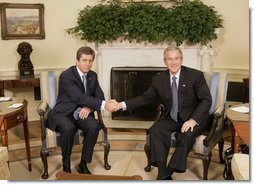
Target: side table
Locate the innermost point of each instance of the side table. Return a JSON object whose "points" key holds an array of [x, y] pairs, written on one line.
{"points": [[16, 82], [10, 118], [240, 127]]}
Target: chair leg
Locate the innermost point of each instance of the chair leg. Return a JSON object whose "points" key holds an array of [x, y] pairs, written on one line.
{"points": [[106, 152], [44, 155], [147, 152], [206, 163], [221, 146]]}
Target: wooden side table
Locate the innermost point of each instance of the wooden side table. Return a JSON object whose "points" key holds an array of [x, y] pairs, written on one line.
{"points": [[16, 82], [10, 118], [240, 127]]}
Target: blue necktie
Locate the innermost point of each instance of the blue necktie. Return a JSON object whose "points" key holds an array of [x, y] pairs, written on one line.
{"points": [[174, 108], [84, 82], [76, 112]]}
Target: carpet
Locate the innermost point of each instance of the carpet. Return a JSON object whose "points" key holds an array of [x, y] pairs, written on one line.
{"points": [[122, 163]]}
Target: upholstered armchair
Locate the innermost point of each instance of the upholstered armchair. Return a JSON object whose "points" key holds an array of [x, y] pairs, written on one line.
{"points": [[4, 166], [49, 138], [204, 145], [240, 166]]}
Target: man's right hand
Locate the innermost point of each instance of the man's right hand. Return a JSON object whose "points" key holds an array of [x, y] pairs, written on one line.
{"points": [[112, 105]]}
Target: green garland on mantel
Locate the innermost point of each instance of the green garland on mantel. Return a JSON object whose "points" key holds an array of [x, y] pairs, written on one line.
{"points": [[184, 21]]}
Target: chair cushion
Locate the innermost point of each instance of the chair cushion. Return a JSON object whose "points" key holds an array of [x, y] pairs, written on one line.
{"points": [[198, 146], [240, 166], [53, 138]]}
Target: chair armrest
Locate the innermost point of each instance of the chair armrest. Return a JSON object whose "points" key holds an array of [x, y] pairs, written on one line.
{"points": [[216, 130], [160, 111], [43, 110]]}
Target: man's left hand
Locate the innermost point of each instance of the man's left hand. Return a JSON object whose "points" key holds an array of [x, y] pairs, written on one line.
{"points": [[188, 124], [84, 112]]}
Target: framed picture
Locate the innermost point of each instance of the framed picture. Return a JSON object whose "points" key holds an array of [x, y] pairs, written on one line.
{"points": [[22, 21]]}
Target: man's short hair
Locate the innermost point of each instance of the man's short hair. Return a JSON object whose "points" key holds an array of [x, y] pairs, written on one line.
{"points": [[172, 48], [85, 50]]}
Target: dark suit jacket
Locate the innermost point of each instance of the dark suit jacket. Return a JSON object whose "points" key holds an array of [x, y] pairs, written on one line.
{"points": [[71, 94], [194, 96]]}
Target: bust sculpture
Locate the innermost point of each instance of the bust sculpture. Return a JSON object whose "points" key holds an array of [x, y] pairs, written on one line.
{"points": [[25, 65]]}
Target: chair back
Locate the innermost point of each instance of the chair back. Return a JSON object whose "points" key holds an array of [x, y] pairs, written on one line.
{"points": [[52, 89], [218, 85], [49, 82]]}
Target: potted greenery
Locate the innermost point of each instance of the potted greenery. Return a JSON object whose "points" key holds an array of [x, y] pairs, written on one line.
{"points": [[184, 21], [194, 22]]}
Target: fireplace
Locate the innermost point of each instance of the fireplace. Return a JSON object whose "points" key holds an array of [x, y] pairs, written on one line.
{"points": [[129, 82], [123, 54]]}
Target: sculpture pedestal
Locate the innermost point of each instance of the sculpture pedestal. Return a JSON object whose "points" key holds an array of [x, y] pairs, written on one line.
{"points": [[26, 73]]}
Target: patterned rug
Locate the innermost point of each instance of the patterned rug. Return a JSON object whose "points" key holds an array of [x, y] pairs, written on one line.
{"points": [[122, 163]]}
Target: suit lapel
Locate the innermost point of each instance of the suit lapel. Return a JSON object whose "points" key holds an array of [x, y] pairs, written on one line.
{"points": [[167, 90], [181, 88], [89, 79], [76, 75], [166, 85]]}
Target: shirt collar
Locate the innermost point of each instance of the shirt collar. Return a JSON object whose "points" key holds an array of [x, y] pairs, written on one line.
{"points": [[80, 73], [177, 75]]}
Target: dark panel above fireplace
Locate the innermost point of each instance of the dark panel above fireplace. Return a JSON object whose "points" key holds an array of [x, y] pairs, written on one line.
{"points": [[129, 82]]}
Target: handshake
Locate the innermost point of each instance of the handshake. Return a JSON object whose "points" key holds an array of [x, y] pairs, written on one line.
{"points": [[113, 105]]}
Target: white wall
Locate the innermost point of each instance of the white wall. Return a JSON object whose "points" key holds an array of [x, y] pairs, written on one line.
{"points": [[232, 45], [58, 49]]}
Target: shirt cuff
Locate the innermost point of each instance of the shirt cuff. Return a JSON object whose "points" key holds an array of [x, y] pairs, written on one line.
{"points": [[103, 104], [195, 121], [124, 106]]}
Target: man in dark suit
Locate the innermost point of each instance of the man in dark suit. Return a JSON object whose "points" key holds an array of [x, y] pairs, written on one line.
{"points": [[79, 95], [187, 100]]}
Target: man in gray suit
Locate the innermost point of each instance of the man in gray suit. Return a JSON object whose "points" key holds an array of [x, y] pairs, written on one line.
{"points": [[187, 100], [79, 95]]}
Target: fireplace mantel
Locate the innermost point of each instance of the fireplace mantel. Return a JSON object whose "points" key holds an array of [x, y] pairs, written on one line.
{"points": [[125, 54]]}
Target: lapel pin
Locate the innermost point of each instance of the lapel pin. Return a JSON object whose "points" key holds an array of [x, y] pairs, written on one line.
{"points": [[184, 85]]}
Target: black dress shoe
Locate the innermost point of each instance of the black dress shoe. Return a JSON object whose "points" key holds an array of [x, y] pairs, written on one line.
{"points": [[82, 168], [164, 178], [67, 170]]}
